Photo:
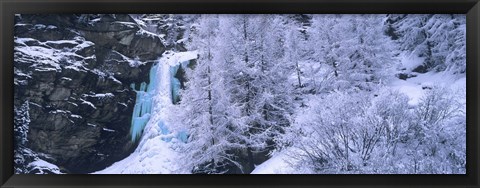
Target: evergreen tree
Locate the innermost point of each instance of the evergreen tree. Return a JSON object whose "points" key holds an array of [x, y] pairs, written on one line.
{"points": [[439, 39], [354, 49], [211, 121]]}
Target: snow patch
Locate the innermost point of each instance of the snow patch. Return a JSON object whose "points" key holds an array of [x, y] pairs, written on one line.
{"points": [[42, 166], [91, 124], [415, 87], [155, 157], [66, 78], [88, 103], [175, 58], [108, 130], [410, 61], [275, 165], [103, 95]]}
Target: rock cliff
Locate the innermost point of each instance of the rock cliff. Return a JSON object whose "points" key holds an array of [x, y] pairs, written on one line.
{"points": [[75, 71]]}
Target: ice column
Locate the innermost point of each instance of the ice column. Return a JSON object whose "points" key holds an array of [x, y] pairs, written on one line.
{"points": [[143, 104], [163, 89]]}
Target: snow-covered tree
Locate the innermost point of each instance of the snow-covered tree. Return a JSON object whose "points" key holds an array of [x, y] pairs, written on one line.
{"points": [[258, 77], [439, 117], [440, 39], [212, 122], [292, 50], [354, 49], [21, 121], [360, 133], [392, 110], [324, 133]]}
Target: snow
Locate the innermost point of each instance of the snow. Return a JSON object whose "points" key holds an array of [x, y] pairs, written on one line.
{"points": [[115, 80], [103, 95], [66, 78], [91, 124], [145, 32], [156, 157], [99, 73], [410, 61], [412, 90], [39, 26], [50, 59], [42, 165], [128, 24], [182, 40], [51, 27], [43, 55], [35, 104], [20, 73], [62, 42], [275, 165], [84, 44], [58, 111], [88, 103], [415, 87], [77, 67], [175, 58], [74, 104], [282, 162], [76, 116], [108, 130], [45, 69], [94, 20], [23, 40]]}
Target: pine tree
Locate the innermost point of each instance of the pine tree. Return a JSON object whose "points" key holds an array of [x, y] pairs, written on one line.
{"points": [[21, 122], [205, 112], [22, 155], [354, 49], [439, 38], [258, 76]]}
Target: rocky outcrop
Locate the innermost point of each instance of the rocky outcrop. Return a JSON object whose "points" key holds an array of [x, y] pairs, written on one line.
{"points": [[75, 72]]}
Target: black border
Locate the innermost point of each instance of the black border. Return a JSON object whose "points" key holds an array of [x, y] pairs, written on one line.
{"points": [[10, 7]]}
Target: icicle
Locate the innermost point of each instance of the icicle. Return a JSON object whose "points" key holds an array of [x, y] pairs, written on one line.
{"points": [[164, 86], [143, 104]]}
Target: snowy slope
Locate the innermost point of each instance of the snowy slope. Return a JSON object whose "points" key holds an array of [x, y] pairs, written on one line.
{"points": [[277, 164], [40, 166], [415, 86]]}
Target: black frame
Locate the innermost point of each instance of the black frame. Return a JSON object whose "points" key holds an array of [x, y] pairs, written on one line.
{"points": [[10, 7]]}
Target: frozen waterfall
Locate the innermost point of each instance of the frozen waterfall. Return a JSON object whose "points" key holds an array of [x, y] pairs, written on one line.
{"points": [[153, 155], [159, 93]]}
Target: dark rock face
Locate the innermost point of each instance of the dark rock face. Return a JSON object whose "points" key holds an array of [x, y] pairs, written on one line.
{"points": [[75, 72]]}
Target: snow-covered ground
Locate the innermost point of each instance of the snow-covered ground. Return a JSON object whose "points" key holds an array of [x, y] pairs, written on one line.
{"points": [[42, 166], [415, 87], [154, 157], [277, 164]]}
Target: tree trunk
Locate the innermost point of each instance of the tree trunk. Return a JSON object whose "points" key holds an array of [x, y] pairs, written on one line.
{"points": [[298, 75]]}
